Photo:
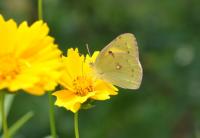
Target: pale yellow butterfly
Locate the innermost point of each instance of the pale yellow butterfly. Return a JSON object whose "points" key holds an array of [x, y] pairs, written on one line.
{"points": [[118, 62]]}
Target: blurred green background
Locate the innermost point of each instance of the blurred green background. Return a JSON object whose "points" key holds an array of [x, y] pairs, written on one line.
{"points": [[168, 103]]}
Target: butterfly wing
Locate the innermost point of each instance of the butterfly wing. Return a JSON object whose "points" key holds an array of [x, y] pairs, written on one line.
{"points": [[119, 63]]}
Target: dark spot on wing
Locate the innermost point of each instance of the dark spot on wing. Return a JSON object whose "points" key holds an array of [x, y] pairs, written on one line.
{"points": [[127, 45], [111, 53], [101, 73], [118, 66], [132, 74]]}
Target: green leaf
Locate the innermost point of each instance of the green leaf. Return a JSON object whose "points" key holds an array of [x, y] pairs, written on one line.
{"points": [[20, 123], [8, 102], [87, 106]]}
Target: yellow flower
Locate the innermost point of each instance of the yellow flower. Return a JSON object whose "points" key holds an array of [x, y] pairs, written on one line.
{"points": [[79, 83], [29, 59]]}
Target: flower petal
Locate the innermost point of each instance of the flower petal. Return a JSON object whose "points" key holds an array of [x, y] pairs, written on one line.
{"points": [[70, 100], [29, 59]]}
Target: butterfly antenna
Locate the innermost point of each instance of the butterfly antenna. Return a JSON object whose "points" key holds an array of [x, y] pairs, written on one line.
{"points": [[88, 50]]}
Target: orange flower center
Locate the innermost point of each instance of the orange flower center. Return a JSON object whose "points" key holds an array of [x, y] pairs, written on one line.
{"points": [[10, 67], [83, 85]]}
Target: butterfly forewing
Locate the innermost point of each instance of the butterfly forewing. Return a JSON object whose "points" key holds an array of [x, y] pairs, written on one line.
{"points": [[119, 63]]}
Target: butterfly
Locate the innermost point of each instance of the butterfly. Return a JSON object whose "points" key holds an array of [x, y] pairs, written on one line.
{"points": [[118, 62]]}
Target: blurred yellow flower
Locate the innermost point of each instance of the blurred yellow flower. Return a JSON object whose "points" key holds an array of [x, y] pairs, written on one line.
{"points": [[29, 59], [79, 83]]}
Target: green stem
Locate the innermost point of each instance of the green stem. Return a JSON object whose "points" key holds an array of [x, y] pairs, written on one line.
{"points": [[76, 125], [40, 17], [51, 116], [3, 115], [51, 105]]}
